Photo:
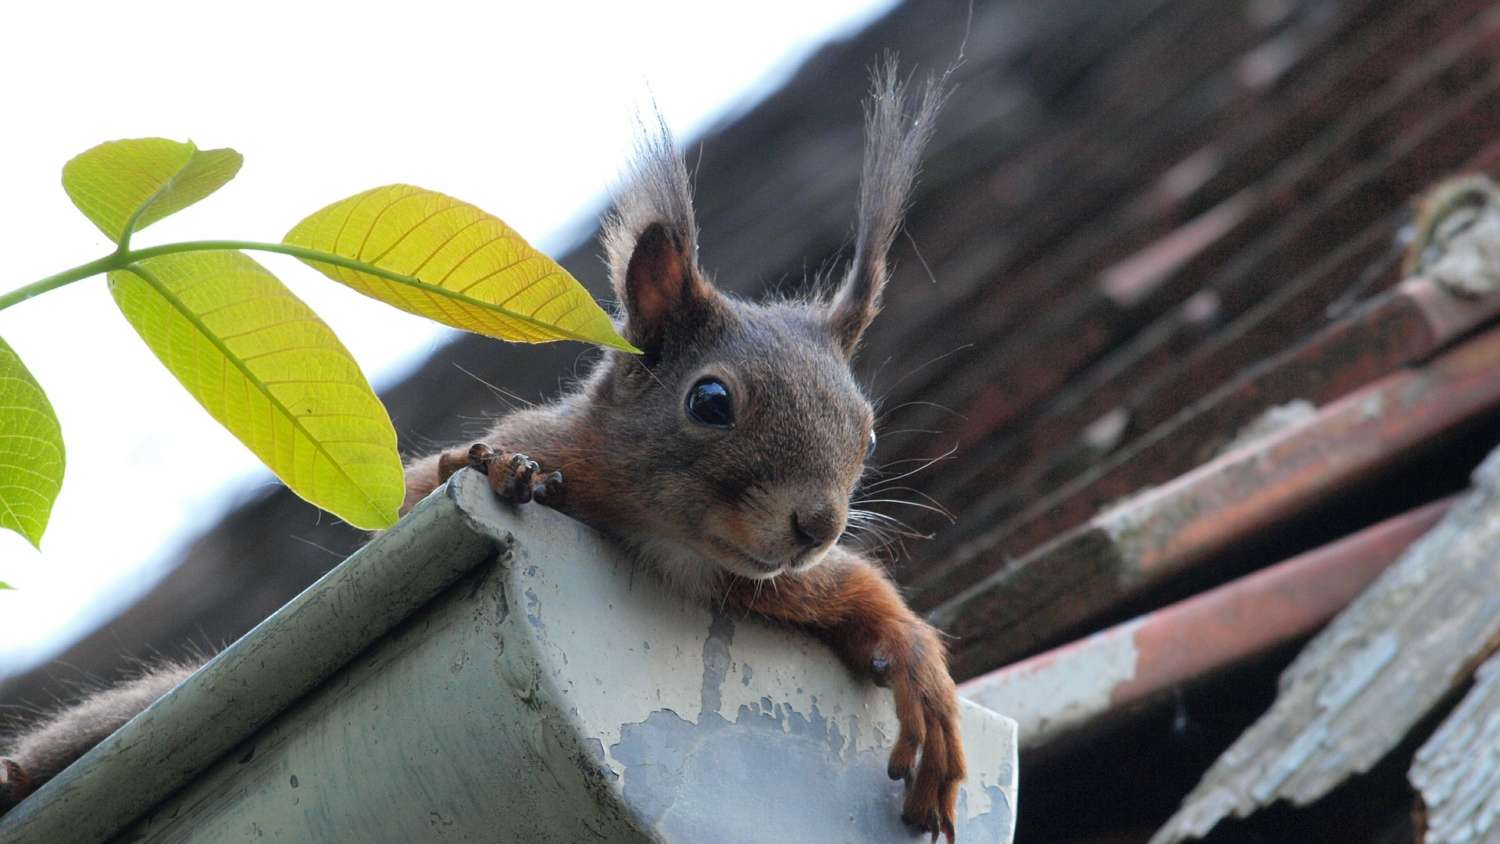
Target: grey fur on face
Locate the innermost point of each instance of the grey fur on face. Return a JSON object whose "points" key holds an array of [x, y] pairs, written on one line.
{"points": [[803, 423]]}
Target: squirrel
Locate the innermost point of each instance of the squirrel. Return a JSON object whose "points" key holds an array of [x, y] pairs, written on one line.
{"points": [[723, 457]]}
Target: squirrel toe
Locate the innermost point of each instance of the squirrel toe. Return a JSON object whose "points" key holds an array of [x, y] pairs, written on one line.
{"points": [[549, 490]]}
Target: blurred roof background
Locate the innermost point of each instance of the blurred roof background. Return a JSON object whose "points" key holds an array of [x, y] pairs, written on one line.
{"points": [[1151, 329]]}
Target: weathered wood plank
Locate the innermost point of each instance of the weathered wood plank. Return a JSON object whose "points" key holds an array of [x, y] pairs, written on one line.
{"points": [[1360, 686], [1457, 771]]}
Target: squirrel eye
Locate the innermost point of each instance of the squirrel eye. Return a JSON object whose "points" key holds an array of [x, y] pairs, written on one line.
{"points": [[870, 449], [708, 403]]}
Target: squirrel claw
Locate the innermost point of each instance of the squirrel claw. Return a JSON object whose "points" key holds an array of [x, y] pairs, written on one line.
{"points": [[928, 713], [549, 490], [928, 822], [480, 456], [898, 770], [516, 478]]}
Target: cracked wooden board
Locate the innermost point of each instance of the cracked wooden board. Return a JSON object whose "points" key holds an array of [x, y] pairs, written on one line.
{"points": [[1457, 772], [1375, 672]]}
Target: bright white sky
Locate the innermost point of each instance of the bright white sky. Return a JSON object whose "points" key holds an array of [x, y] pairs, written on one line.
{"points": [[524, 109]]}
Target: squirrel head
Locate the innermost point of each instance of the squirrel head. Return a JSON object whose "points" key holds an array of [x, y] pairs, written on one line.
{"points": [[742, 423]]}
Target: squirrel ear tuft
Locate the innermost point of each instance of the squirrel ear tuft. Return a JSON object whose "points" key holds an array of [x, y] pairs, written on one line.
{"points": [[651, 241], [897, 129], [660, 286]]}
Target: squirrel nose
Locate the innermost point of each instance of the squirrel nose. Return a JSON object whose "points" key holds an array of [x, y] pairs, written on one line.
{"points": [[819, 527]]}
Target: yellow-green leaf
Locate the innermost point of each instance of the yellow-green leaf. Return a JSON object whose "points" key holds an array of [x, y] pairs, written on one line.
{"points": [[31, 450], [268, 369], [446, 260], [125, 186]]}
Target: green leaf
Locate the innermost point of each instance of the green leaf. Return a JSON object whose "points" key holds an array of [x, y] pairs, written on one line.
{"points": [[268, 369], [5, 586], [31, 450], [125, 186], [451, 262]]}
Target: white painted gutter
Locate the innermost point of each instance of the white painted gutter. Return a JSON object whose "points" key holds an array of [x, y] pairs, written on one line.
{"points": [[480, 673]]}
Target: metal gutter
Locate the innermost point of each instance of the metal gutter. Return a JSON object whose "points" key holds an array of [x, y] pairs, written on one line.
{"points": [[255, 678], [485, 673]]}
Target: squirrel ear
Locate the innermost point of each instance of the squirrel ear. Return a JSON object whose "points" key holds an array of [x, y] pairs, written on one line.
{"points": [[857, 302], [651, 244], [660, 286], [897, 128]]}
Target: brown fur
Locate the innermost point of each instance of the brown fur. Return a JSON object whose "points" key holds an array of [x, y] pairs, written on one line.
{"points": [[31, 758]]}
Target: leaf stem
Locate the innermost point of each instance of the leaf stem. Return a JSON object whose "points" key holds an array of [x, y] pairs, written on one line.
{"points": [[109, 262], [120, 259]]}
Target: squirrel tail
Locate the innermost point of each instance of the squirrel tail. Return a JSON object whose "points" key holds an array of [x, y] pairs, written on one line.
{"points": [[38, 753]]}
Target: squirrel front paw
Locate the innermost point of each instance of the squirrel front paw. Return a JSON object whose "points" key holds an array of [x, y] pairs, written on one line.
{"points": [[15, 785], [512, 475], [927, 709]]}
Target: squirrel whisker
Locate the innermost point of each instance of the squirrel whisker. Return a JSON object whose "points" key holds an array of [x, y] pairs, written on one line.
{"points": [[936, 509], [875, 522], [920, 367], [927, 464], [914, 491], [501, 393], [915, 403], [929, 431]]}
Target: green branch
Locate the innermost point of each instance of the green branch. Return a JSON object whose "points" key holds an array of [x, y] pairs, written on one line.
{"points": [[51, 282], [122, 259]]}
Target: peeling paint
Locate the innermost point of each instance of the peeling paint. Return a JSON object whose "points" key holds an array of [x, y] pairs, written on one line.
{"points": [[773, 771], [682, 776], [716, 660], [534, 611]]}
